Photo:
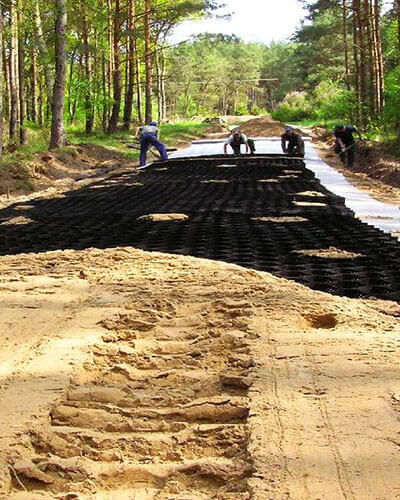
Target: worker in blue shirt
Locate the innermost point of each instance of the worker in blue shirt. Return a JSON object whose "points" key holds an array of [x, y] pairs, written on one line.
{"points": [[148, 135]]}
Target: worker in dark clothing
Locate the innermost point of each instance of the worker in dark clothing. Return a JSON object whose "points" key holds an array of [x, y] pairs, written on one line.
{"points": [[236, 140], [292, 143], [148, 135], [345, 144]]}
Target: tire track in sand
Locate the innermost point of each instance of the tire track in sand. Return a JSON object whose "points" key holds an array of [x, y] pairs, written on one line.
{"points": [[159, 413]]}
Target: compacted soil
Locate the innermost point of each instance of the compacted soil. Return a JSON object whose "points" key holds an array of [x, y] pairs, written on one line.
{"points": [[135, 375]]}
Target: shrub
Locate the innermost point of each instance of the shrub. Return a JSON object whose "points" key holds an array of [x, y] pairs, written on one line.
{"points": [[294, 107], [331, 101], [241, 110]]}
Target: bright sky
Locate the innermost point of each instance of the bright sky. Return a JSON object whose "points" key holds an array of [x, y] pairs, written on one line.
{"points": [[252, 20]]}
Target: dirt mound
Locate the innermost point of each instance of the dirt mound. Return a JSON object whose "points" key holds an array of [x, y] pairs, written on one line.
{"points": [[372, 159], [322, 134], [50, 169], [378, 164], [264, 126]]}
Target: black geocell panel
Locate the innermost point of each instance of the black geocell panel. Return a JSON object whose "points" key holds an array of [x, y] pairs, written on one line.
{"points": [[223, 222]]}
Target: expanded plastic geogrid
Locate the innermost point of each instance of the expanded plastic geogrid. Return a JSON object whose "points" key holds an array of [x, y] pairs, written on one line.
{"points": [[260, 212]]}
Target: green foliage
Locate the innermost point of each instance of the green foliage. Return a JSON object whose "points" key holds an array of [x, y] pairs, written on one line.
{"points": [[391, 111], [241, 110], [257, 111], [174, 134], [206, 76], [331, 101], [279, 62], [319, 50], [294, 107]]}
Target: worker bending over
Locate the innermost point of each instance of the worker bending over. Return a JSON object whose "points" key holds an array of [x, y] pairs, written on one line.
{"points": [[236, 140], [148, 135], [345, 144], [292, 142]]}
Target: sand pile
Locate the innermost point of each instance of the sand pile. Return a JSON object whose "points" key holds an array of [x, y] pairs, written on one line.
{"points": [[127, 374]]}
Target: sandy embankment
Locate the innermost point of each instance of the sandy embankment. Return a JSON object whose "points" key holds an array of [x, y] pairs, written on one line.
{"points": [[130, 375]]}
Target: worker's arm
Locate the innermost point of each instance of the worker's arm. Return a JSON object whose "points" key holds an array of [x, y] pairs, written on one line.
{"points": [[225, 148], [138, 131], [283, 144], [339, 141], [247, 147]]}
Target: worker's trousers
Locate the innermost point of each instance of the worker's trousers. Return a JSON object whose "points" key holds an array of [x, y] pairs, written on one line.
{"points": [[148, 140], [236, 147], [348, 156], [296, 149]]}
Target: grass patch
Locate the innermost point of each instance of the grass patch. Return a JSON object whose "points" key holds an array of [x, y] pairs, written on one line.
{"points": [[172, 134], [175, 134], [37, 143], [115, 142]]}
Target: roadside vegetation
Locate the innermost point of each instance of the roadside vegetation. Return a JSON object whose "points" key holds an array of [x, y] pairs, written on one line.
{"points": [[89, 72], [30, 167], [341, 65]]}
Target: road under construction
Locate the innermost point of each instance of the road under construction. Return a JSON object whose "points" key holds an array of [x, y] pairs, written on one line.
{"points": [[266, 212], [150, 359]]}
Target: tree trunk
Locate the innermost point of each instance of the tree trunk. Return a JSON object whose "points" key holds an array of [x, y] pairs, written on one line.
{"points": [[117, 87], [23, 138], [96, 78], [130, 81], [104, 119], [6, 74], [370, 69], [34, 101], [148, 62], [358, 60], [346, 44], [158, 87], [41, 101], [89, 121], [74, 104], [14, 92], [139, 85], [163, 92], [374, 21], [43, 52], [70, 81], [379, 55], [58, 138]]}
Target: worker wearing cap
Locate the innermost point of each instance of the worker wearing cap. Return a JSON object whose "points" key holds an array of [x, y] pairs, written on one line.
{"points": [[292, 142], [345, 144], [236, 140], [148, 135]]}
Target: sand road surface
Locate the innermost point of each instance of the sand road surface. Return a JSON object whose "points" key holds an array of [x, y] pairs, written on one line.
{"points": [[133, 375]]}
